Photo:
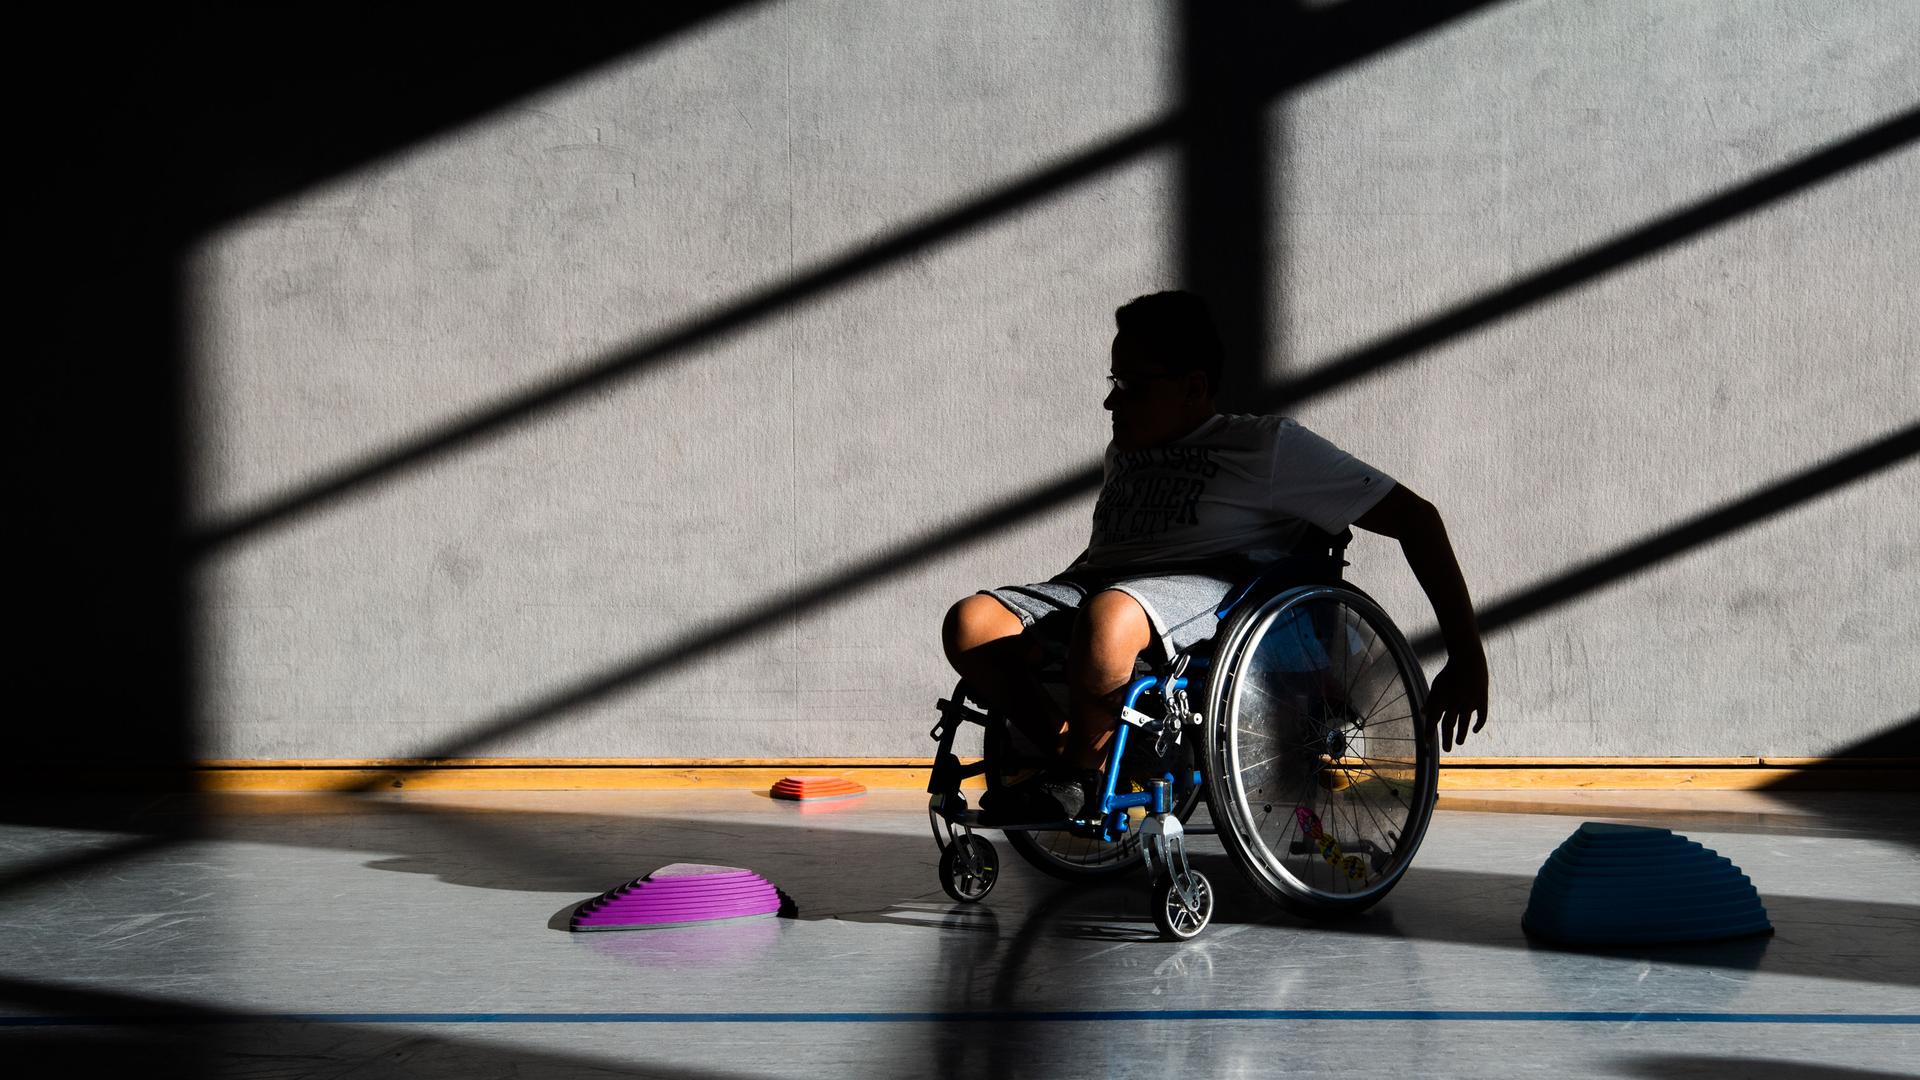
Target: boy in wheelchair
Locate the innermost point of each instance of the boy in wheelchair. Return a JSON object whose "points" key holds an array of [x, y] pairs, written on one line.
{"points": [[1193, 504]]}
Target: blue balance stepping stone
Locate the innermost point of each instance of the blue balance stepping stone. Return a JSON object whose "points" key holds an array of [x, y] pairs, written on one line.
{"points": [[1633, 885]]}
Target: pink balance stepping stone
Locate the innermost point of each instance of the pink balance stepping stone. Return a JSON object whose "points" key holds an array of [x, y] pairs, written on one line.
{"points": [[683, 894], [815, 788]]}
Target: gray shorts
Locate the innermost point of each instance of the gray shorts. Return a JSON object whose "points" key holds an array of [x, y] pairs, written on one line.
{"points": [[1181, 607]]}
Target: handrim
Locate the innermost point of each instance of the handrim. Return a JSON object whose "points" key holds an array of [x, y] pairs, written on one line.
{"points": [[1226, 779]]}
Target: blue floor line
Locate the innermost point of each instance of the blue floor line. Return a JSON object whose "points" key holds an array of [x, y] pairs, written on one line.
{"points": [[1065, 1016]]}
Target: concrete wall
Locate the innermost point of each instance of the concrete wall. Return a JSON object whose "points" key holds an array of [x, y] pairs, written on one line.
{"points": [[532, 590]]}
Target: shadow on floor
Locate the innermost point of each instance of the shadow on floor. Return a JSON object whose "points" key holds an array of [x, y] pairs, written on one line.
{"points": [[865, 874], [1840, 815], [847, 862], [150, 1037], [1679, 1066]]}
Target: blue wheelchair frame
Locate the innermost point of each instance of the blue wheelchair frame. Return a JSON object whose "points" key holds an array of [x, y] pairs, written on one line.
{"points": [[1114, 807]]}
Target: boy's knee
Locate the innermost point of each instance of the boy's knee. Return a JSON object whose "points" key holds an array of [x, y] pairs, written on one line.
{"points": [[978, 620], [1112, 632]]}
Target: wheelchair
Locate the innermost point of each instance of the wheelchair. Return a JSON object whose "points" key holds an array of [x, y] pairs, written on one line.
{"points": [[1299, 722]]}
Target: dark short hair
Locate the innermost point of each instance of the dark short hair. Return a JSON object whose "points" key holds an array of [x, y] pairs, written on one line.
{"points": [[1176, 328]]}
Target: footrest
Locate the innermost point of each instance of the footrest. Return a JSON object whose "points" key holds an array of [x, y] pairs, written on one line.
{"points": [[971, 819]]}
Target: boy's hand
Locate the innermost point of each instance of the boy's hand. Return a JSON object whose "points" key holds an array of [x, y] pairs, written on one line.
{"points": [[1459, 692]]}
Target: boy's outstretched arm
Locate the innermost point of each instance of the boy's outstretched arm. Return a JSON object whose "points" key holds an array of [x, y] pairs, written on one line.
{"points": [[1460, 690]]}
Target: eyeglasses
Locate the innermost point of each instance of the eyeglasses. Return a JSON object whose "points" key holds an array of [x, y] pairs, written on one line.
{"points": [[1126, 384]]}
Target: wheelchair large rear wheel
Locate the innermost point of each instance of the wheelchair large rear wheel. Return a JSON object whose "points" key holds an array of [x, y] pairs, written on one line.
{"points": [[1321, 774], [1061, 853]]}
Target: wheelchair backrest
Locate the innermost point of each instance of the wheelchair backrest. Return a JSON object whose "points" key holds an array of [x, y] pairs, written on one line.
{"points": [[1315, 559]]}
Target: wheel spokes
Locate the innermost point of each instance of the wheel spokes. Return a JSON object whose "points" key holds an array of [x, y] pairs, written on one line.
{"points": [[1318, 707]]}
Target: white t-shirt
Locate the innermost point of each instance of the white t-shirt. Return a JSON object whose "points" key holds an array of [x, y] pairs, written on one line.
{"points": [[1235, 485]]}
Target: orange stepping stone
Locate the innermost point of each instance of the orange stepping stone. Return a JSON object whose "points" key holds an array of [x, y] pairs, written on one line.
{"points": [[815, 788]]}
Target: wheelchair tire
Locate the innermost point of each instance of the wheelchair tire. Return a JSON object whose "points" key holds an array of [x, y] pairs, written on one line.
{"points": [[1320, 771], [1172, 917], [1059, 853], [968, 869]]}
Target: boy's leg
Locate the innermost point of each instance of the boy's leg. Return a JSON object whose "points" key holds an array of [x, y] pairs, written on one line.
{"points": [[1112, 631], [987, 645]]}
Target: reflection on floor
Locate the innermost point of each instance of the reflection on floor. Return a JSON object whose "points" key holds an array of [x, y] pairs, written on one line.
{"points": [[424, 934]]}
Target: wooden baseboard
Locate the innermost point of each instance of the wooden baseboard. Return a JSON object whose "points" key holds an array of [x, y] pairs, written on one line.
{"points": [[578, 774], [1699, 774], [469, 775]]}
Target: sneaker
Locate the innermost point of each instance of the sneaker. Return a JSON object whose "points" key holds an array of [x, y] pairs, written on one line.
{"points": [[1077, 793]]}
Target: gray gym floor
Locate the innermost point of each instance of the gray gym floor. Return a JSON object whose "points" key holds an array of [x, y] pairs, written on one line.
{"points": [[423, 934]]}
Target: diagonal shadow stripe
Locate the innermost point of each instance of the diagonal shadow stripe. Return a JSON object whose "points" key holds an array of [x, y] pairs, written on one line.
{"points": [[1373, 26], [500, 418], [858, 578], [1835, 159], [1314, 44], [880, 567], [326, 96], [1672, 543], [870, 572], [77, 862], [1900, 739], [197, 1039], [356, 98]]}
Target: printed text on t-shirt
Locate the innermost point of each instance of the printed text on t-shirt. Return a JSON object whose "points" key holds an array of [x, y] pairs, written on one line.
{"points": [[1151, 491]]}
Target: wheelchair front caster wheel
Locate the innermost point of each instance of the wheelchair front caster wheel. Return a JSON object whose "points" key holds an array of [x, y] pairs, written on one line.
{"points": [[1182, 905], [968, 868]]}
